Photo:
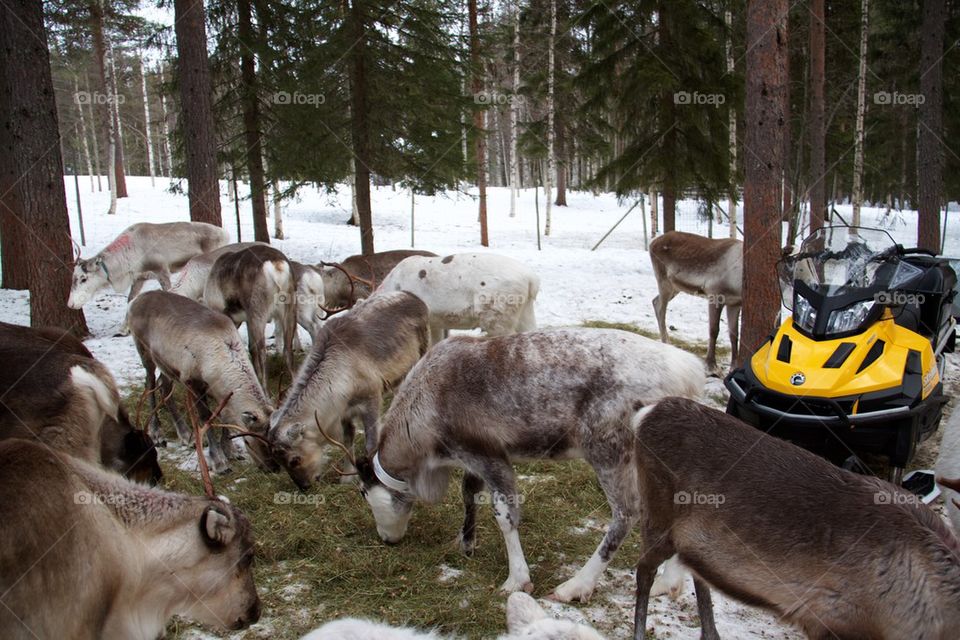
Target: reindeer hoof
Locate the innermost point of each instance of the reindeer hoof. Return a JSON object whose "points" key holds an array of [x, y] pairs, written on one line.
{"points": [[572, 589], [467, 547]]}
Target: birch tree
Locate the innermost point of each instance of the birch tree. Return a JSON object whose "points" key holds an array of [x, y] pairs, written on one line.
{"points": [[861, 110], [146, 122], [551, 113], [732, 128], [515, 113], [83, 129]]}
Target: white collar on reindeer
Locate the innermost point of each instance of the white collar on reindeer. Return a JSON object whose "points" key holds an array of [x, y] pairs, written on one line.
{"points": [[388, 480]]}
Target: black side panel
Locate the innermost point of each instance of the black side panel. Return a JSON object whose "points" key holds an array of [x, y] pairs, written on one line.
{"points": [[875, 352], [843, 351]]}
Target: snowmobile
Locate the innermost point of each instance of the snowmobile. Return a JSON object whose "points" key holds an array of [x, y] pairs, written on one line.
{"points": [[857, 369]]}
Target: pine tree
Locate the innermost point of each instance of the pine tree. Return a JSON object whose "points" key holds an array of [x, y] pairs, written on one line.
{"points": [[931, 124]]}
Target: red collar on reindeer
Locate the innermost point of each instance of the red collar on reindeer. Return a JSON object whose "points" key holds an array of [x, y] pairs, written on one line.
{"points": [[388, 480]]}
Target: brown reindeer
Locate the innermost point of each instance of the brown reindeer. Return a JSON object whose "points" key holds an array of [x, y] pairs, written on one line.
{"points": [[706, 267], [838, 554], [363, 271], [256, 285]]}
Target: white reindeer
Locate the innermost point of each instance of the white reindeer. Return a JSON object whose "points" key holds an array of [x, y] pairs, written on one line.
{"points": [[525, 620], [470, 290]]}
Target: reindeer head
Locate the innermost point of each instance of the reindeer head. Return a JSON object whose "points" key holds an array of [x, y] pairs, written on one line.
{"points": [[89, 277], [392, 506], [253, 416], [300, 447], [219, 576]]}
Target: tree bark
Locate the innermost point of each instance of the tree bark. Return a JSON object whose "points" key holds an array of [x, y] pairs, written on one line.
{"points": [[786, 201], [360, 128], [857, 196], [93, 135], [250, 104], [931, 124], [515, 113], [146, 122], [196, 96], [31, 167], [561, 171], [818, 162], [118, 166], [165, 125], [480, 144], [732, 128], [551, 119], [766, 76], [101, 99], [669, 205]]}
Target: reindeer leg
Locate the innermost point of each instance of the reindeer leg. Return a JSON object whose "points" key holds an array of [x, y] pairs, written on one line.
{"points": [[258, 347], [708, 627], [155, 430], [163, 277], [472, 488], [230, 449], [621, 489], [371, 422], [654, 550], [714, 327], [349, 431], [135, 289], [184, 432], [499, 476], [218, 458], [660, 309], [733, 326]]}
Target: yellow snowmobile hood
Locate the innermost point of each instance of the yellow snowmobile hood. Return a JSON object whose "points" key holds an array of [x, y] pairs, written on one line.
{"points": [[794, 364]]}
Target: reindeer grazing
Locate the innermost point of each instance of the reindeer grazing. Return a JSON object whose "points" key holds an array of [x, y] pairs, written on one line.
{"points": [[713, 268], [469, 291], [256, 285], [139, 555], [525, 620], [202, 349], [479, 404], [32, 411], [194, 274], [838, 554], [143, 251], [355, 357], [350, 280]]}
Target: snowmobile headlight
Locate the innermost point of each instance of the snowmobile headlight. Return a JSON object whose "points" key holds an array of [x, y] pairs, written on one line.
{"points": [[804, 313], [849, 318]]}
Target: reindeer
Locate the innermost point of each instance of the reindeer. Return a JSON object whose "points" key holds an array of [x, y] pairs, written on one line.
{"points": [[712, 268], [357, 276], [194, 274], [948, 466], [311, 297], [123, 448], [470, 290], [142, 555], [142, 252], [480, 404], [256, 285], [355, 358], [202, 349], [838, 554], [525, 620]]}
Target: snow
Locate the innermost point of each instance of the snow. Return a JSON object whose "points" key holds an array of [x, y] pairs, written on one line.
{"points": [[614, 284]]}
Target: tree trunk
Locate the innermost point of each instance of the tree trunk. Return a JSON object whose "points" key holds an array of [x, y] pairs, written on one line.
{"points": [[31, 168], [93, 136], [196, 97], [277, 210], [861, 110], [766, 76], [480, 149], [114, 103], [250, 104], [101, 98], [732, 127], [818, 162], [83, 129], [165, 125], [786, 209], [654, 214], [561, 172], [146, 122], [669, 206], [551, 118], [515, 113], [931, 120], [360, 128]]}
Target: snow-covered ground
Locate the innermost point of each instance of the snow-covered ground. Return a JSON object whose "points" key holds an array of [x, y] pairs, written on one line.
{"points": [[615, 283]]}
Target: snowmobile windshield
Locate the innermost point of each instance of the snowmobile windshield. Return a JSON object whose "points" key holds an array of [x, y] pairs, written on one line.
{"points": [[840, 261]]}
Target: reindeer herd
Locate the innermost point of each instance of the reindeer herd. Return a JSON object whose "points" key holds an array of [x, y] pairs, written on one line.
{"points": [[90, 547]]}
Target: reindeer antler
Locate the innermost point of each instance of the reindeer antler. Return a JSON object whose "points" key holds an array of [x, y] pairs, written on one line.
{"points": [[142, 426], [339, 445], [76, 248], [198, 432], [352, 279]]}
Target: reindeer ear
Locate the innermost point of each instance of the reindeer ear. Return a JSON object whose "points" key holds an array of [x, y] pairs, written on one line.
{"points": [[217, 527], [521, 611]]}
